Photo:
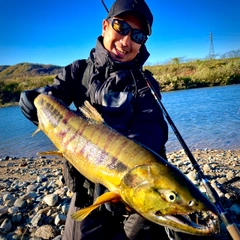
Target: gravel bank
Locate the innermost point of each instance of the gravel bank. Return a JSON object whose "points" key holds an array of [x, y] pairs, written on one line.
{"points": [[34, 200]]}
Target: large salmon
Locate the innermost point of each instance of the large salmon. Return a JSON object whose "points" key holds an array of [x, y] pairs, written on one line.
{"points": [[133, 174]]}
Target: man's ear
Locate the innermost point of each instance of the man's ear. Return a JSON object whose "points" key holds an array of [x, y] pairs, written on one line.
{"points": [[104, 26]]}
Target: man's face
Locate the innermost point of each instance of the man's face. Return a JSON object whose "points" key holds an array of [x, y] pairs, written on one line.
{"points": [[121, 48]]}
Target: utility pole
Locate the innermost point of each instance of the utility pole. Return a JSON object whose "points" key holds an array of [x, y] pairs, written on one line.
{"points": [[211, 49]]}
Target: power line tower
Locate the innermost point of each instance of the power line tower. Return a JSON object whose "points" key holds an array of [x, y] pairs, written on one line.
{"points": [[211, 49]]}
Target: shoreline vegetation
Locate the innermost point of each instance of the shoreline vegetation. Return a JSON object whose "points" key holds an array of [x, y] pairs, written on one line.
{"points": [[172, 76]]}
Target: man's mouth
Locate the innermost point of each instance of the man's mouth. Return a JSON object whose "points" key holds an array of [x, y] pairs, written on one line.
{"points": [[120, 52]]}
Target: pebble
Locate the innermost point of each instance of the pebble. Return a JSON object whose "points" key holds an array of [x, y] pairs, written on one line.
{"points": [[34, 200], [51, 200], [6, 226]]}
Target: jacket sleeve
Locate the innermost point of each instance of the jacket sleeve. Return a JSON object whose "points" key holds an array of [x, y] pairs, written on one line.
{"points": [[62, 88], [64, 83]]}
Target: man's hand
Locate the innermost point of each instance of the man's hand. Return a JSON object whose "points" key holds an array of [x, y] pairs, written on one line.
{"points": [[27, 106]]}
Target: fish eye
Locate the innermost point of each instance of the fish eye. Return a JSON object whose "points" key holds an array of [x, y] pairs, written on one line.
{"points": [[171, 196], [168, 195]]}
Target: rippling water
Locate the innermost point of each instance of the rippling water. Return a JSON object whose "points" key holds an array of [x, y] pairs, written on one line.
{"points": [[205, 118]]}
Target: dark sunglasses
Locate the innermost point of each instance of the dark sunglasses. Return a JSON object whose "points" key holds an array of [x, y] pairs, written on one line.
{"points": [[124, 28]]}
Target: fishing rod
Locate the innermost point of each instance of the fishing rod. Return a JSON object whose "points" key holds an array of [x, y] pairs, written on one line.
{"points": [[225, 217], [105, 5]]}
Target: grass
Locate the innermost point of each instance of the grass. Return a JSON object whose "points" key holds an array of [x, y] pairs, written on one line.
{"points": [[10, 89], [205, 73]]}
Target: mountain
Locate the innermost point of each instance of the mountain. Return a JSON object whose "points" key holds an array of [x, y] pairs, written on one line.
{"points": [[28, 69]]}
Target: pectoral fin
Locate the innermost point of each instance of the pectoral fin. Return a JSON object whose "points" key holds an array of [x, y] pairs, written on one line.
{"points": [[38, 130], [106, 197]]}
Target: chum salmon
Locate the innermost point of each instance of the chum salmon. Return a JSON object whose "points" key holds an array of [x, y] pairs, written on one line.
{"points": [[133, 174]]}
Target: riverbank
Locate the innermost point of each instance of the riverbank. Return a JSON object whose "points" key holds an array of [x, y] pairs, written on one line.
{"points": [[171, 76], [34, 200]]}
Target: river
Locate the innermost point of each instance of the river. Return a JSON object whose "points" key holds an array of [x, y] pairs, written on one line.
{"points": [[205, 117]]}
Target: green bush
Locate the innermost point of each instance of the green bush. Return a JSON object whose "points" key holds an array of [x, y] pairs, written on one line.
{"points": [[10, 89], [199, 73]]}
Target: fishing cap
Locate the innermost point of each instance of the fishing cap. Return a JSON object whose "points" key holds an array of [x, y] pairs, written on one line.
{"points": [[138, 7]]}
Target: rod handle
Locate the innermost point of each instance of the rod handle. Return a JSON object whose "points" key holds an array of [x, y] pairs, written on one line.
{"points": [[233, 231], [230, 226]]}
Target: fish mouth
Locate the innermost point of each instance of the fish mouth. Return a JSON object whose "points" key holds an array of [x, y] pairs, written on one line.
{"points": [[202, 223]]}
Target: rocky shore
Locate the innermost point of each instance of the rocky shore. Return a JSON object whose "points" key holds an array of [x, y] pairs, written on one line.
{"points": [[34, 200]]}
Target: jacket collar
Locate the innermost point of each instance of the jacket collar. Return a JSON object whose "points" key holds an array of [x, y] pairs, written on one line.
{"points": [[101, 58]]}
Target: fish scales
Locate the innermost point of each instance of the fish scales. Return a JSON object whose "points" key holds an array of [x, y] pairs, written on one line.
{"points": [[82, 138], [132, 173], [98, 148], [89, 138]]}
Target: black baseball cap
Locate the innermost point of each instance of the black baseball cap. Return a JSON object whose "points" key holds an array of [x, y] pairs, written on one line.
{"points": [[138, 7]]}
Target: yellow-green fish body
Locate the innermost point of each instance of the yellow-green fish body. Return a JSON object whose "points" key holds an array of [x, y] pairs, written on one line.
{"points": [[132, 173]]}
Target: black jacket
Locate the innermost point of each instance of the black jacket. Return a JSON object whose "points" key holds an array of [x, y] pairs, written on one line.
{"points": [[119, 92]]}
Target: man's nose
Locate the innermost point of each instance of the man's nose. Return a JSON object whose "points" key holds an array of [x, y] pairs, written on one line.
{"points": [[125, 40]]}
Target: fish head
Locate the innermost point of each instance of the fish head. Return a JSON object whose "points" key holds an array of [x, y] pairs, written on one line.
{"points": [[164, 195]]}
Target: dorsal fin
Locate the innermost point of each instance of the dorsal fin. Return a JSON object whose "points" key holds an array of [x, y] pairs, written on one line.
{"points": [[90, 112]]}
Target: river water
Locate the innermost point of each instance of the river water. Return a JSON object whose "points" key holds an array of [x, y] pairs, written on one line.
{"points": [[205, 117]]}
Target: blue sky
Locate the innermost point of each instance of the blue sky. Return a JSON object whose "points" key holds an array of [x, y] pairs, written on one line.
{"points": [[62, 31]]}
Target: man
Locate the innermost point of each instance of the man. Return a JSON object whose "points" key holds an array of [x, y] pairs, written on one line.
{"points": [[112, 79]]}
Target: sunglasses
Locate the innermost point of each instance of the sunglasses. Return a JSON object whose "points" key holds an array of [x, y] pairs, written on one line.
{"points": [[124, 28]]}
